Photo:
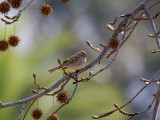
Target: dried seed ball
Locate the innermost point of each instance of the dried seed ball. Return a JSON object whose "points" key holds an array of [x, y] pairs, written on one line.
{"points": [[64, 1], [37, 113], [113, 43], [3, 45], [13, 40], [4, 7], [62, 97], [53, 117], [46, 10], [16, 3]]}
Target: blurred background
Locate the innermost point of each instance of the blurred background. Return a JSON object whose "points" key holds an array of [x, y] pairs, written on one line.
{"points": [[65, 32]]}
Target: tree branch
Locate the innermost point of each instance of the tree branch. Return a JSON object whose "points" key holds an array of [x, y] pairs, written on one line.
{"points": [[122, 27], [112, 111], [93, 63], [67, 100], [153, 26], [16, 17], [21, 111], [156, 106]]}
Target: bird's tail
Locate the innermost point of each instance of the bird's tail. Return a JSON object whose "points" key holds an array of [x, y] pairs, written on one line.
{"points": [[53, 69]]}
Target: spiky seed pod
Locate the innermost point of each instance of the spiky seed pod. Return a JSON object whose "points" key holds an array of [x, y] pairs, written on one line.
{"points": [[62, 97], [4, 7], [113, 43], [16, 3], [52, 117], [3, 45], [46, 10], [64, 1], [37, 113], [13, 40]]}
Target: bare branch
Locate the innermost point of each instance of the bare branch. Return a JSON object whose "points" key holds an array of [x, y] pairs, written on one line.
{"points": [[136, 113], [16, 17], [155, 3], [37, 95], [155, 51], [110, 27], [125, 26], [67, 100], [28, 109], [108, 54], [112, 111], [35, 82], [147, 81], [21, 111], [134, 26], [156, 106], [104, 68], [58, 91], [152, 36], [153, 26], [90, 45], [113, 57], [155, 16], [93, 63]]}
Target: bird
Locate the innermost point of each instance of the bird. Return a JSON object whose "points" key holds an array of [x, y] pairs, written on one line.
{"points": [[76, 62]]}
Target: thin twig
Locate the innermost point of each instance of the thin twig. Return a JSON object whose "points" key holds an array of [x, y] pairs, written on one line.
{"points": [[67, 100], [136, 113], [108, 26], [90, 45], [28, 109], [16, 17], [155, 16], [91, 72], [155, 51], [112, 111], [21, 111], [153, 26], [60, 81], [146, 81], [156, 106], [136, 23], [58, 91], [92, 63], [110, 53], [155, 3], [152, 36], [35, 82], [63, 69], [104, 68]]}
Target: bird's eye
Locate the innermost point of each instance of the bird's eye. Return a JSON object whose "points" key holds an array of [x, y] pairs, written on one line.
{"points": [[83, 55]]}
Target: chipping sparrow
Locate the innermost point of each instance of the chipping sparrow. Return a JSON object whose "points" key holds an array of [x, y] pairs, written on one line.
{"points": [[75, 62]]}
